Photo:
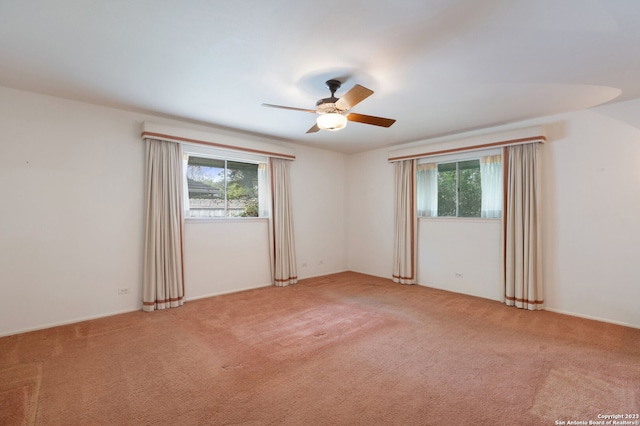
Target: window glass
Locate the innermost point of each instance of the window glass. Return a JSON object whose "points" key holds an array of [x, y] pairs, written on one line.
{"points": [[222, 188], [242, 189], [447, 189], [469, 189]]}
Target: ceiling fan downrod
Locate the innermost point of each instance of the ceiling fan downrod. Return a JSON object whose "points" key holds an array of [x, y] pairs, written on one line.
{"points": [[333, 86]]}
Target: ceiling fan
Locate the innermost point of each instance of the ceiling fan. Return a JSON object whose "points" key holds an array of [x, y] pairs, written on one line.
{"points": [[333, 113]]}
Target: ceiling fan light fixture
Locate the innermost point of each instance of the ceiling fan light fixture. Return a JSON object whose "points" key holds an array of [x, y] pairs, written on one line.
{"points": [[331, 121]]}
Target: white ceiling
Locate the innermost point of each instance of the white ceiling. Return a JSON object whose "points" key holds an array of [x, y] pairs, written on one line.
{"points": [[438, 67]]}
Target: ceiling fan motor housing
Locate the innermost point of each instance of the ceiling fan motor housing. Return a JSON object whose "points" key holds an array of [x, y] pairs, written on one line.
{"points": [[327, 106]]}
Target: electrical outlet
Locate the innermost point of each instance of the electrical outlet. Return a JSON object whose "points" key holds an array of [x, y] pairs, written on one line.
{"points": [[459, 275], [123, 291]]}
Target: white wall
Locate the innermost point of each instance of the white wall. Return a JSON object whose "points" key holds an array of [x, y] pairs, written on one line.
{"points": [[71, 210], [591, 247], [370, 213], [318, 189], [469, 247], [223, 256], [591, 211], [71, 216]]}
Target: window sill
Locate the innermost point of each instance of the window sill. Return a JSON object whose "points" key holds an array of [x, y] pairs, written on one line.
{"points": [[459, 219], [191, 220]]}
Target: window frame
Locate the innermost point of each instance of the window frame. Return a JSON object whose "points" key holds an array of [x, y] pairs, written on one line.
{"points": [[458, 170], [457, 158], [225, 156]]}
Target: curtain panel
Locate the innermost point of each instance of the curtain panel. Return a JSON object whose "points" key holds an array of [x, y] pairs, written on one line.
{"points": [[404, 246], [283, 253], [491, 184], [263, 190], [523, 258], [427, 184], [163, 280]]}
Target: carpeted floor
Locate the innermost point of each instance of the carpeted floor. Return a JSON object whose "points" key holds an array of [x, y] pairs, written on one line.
{"points": [[345, 349]]}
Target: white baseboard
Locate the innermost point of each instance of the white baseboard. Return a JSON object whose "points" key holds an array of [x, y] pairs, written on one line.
{"points": [[89, 318], [388, 277], [238, 290], [590, 317], [67, 322], [323, 274]]}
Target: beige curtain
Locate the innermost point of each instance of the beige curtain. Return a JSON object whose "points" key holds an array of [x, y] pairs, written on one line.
{"points": [[404, 246], [523, 267], [427, 189], [491, 184], [263, 190], [283, 252], [163, 282]]}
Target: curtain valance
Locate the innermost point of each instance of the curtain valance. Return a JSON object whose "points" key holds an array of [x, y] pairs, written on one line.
{"points": [[215, 140], [476, 143]]}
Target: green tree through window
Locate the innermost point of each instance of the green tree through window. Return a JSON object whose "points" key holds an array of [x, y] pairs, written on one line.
{"points": [[459, 189]]}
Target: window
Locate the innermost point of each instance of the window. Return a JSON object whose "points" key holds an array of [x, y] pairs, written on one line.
{"points": [[220, 187], [470, 187], [459, 192]]}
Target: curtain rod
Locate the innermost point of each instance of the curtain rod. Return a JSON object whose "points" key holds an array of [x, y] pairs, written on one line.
{"points": [[180, 139], [509, 142], [214, 139]]}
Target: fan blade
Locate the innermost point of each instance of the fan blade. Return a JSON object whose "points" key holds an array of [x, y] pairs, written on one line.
{"points": [[353, 97], [291, 108], [368, 119], [314, 129]]}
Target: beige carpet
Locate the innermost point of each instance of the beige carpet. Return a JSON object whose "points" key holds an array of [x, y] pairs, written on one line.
{"points": [[346, 349]]}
